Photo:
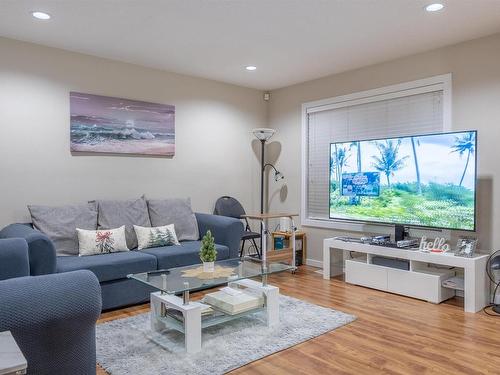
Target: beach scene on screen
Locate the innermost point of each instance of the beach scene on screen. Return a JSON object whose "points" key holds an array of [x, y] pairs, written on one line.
{"points": [[426, 180]]}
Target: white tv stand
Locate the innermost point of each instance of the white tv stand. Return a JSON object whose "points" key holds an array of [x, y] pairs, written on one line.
{"points": [[421, 281]]}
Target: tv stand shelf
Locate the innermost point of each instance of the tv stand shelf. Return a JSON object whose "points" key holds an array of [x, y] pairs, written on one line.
{"points": [[420, 281]]}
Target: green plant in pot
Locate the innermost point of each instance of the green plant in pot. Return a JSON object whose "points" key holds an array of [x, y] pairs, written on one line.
{"points": [[208, 253]]}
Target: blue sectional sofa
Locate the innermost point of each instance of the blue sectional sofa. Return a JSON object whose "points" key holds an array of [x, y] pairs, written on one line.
{"points": [[52, 317], [112, 269]]}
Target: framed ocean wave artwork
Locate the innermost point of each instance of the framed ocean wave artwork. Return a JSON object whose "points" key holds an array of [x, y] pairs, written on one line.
{"points": [[104, 124]]}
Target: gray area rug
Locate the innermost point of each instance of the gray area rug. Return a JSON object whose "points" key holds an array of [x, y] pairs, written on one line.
{"points": [[126, 346]]}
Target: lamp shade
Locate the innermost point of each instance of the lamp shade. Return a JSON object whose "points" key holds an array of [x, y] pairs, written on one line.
{"points": [[263, 134]]}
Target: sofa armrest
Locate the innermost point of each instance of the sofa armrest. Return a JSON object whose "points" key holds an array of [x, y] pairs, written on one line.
{"points": [[41, 251], [226, 231], [52, 318], [14, 260]]}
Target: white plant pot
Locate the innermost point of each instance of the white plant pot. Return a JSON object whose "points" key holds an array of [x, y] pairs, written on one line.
{"points": [[208, 266]]}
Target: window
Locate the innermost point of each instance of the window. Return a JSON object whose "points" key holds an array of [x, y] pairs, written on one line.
{"points": [[417, 107]]}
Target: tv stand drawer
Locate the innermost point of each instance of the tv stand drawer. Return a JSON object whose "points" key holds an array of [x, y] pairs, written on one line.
{"points": [[421, 285], [360, 273]]}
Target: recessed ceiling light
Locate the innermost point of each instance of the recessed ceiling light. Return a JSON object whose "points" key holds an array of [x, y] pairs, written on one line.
{"points": [[434, 7], [41, 15], [251, 67]]}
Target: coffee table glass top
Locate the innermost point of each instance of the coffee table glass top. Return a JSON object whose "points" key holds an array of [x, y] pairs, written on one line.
{"points": [[191, 278]]}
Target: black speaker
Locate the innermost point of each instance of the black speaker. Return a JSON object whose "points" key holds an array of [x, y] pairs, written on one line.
{"points": [[399, 233]]}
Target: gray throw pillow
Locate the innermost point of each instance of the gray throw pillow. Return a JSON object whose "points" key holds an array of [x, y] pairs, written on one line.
{"points": [[60, 223], [114, 214], [174, 211]]}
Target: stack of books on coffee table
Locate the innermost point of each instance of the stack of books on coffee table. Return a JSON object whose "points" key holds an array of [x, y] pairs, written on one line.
{"points": [[233, 301]]}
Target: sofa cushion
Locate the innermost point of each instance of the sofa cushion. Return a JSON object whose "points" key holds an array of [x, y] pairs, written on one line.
{"points": [[185, 254], [114, 214], [60, 223], [111, 266], [175, 211]]}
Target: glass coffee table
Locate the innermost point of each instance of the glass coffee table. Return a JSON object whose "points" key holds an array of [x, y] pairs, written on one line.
{"points": [[171, 307]]}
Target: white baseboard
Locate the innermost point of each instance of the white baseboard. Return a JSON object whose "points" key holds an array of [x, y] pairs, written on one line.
{"points": [[314, 263]]}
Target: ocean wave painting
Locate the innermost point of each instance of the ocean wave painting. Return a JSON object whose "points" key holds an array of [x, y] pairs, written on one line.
{"points": [[106, 124]]}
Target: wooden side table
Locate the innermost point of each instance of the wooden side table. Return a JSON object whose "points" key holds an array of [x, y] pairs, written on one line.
{"points": [[285, 254], [12, 361]]}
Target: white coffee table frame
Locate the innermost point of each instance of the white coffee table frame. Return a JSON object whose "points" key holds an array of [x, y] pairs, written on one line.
{"points": [[191, 310]]}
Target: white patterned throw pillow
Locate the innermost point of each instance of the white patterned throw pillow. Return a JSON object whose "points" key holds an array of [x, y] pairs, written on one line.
{"points": [[103, 241], [155, 236]]}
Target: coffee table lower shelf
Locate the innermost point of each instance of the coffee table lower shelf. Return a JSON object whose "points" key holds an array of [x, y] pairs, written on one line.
{"points": [[192, 322], [206, 321]]}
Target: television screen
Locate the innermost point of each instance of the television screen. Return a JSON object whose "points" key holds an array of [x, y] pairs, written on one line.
{"points": [[425, 180]]}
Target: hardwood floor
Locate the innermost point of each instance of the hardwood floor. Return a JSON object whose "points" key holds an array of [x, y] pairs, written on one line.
{"points": [[392, 335]]}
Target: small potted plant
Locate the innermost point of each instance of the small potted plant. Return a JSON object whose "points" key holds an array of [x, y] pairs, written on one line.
{"points": [[208, 254]]}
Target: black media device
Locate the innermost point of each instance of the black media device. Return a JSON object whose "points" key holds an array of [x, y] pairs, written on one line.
{"points": [[401, 264], [400, 232]]}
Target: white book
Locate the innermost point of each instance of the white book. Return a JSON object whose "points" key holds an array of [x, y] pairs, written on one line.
{"points": [[233, 304]]}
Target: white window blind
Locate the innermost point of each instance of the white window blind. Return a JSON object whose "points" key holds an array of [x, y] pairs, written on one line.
{"points": [[406, 115]]}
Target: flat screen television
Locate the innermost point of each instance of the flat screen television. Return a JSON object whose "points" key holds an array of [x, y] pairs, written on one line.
{"points": [[424, 180]]}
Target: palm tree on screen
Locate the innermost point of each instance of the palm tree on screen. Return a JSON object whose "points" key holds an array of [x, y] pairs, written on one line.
{"points": [[388, 162], [333, 174], [357, 144], [341, 157], [465, 144], [414, 145]]}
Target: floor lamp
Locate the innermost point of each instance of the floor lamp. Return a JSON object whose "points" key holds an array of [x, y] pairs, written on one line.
{"points": [[263, 135]]}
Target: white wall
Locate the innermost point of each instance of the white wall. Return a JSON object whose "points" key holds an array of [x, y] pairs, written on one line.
{"points": [[213, 134], [214, 153], [476, 105]]}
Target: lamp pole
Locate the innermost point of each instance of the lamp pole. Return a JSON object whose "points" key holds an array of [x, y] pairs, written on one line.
{"points": [[263, 135], [262, 170]]}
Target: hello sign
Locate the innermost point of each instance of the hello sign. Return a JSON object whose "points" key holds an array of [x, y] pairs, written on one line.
{"points": [[438, 245]]}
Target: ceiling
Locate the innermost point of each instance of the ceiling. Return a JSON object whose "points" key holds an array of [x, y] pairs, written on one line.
{"points": [[289, 41]]}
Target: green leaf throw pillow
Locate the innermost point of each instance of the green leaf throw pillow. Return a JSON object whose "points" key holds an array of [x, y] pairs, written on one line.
{"points": [[155, 236]]}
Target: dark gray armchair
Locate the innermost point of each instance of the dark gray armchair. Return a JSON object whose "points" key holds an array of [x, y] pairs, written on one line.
{"points": [[52, 317]]}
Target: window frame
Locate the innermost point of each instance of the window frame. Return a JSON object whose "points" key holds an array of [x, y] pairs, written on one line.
{"points": [[431, 84]]}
